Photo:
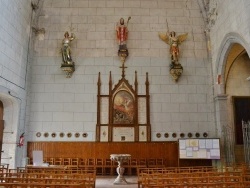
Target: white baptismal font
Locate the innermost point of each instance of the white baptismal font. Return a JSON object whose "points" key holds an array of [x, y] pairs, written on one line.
{"points": [[120, 158]]}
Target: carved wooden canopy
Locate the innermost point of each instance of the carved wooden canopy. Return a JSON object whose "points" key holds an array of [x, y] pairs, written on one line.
{"points": [[123, 115]]}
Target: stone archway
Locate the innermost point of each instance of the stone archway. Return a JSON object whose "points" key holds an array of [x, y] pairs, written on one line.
{"points": [[232, 57], [232, 42], [237, 88], [11, 107]]}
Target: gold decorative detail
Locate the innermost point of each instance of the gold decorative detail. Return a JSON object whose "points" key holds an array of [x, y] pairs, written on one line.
{"points": [[123, 54], [176, 71], [68, 69], [61, 135], [69, 135]]}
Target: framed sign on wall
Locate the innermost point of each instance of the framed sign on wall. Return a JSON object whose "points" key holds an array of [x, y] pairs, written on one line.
{"points": [[205, 148]]}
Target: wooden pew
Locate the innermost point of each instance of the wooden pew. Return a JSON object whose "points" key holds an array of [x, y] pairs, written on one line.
{"points": [[33, 182], [40, 185], [192, 177], [49, 174]]}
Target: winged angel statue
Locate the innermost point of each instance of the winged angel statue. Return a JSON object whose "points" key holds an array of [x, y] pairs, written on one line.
{"points": [[174, 42]]}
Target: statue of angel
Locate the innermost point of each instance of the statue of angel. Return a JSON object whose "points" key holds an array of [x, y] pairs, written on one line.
{"points": [[174, 41], [66, 52]]}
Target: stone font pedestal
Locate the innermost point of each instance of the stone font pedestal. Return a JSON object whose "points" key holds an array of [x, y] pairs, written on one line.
{"points": [[120, 158]]}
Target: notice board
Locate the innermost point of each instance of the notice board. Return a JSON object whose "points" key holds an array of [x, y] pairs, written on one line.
{"points": [[204, 148]]}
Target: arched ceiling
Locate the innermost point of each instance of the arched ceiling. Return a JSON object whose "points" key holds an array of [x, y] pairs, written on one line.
{"points": [[236, 51]]}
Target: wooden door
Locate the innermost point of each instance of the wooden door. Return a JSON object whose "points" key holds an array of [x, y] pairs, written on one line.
{"points": [[241, 112]]}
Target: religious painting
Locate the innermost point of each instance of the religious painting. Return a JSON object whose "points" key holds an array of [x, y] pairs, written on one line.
{"points": [[123, 108]]}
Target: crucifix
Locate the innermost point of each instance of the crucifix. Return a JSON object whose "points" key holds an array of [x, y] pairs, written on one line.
{"points": [[123, 69]]}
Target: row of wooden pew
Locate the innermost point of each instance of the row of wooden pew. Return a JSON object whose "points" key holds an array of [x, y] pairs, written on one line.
{"points": [[195, 177], [52, 177], [107, 166]]}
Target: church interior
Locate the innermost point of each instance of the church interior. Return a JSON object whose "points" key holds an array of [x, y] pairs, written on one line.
{"points": [[132, 88]]}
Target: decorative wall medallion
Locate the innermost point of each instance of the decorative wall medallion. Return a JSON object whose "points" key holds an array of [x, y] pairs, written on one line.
{"points": [[176, 71], [69, 135], [166, 135], [46, 134], [84, 135], [77, 135], [104, 133], [61, 134], [38, 134], [158, 135], [182, 135], [53, 135], [205, 134], [190, 135], [174, 135], [197, 135]]}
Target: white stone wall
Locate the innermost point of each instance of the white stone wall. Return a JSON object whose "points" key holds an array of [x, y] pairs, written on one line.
{"points": [[15, 17], [231, 26], [61, 104]]}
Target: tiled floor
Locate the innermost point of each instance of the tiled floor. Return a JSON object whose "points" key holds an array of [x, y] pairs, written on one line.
{"points": [[107, 182]]}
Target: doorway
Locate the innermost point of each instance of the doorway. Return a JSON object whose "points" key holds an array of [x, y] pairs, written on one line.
{"points": [[241, 113]]}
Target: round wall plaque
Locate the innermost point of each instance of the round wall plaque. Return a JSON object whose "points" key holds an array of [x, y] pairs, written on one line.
{"points": [[158, 135], [197, 135], [190, 135], [166, 135], [174, 135], [205, 134], [77, 135], [38, 134], [84, 135], [53, 135]]}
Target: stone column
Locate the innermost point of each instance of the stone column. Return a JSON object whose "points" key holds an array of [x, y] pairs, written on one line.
{"points": [[221, 113], [221, 120]]}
